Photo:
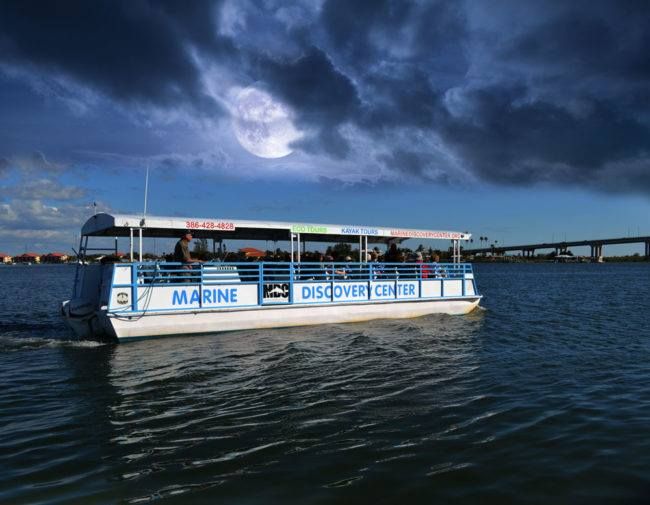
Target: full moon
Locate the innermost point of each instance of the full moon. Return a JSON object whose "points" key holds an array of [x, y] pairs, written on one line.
{"points": [[263, 125]]}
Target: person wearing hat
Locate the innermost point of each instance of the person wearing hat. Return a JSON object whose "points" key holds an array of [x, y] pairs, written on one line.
{"points": [[182, 255]]}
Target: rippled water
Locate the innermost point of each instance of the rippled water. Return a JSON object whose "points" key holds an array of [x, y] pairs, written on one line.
{"points": [[541, 397]]}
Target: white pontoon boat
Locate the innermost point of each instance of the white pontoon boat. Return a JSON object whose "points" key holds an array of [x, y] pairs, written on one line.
{"points": [[135, 299]]}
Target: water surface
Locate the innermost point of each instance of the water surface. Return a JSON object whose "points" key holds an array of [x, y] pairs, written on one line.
{"points": [[541, 397]]}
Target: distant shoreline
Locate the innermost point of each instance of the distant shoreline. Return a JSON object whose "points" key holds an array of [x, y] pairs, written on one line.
{"points": [[579, 260], [511, 260]]}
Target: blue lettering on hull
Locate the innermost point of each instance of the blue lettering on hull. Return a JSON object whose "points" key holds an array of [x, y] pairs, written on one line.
{"points": [[211, 297], [342, 292], [179, 298]]}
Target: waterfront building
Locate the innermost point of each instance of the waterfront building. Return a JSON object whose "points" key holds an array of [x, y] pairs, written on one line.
{"points": [[28, 257], [251, 252], [55, 257]]}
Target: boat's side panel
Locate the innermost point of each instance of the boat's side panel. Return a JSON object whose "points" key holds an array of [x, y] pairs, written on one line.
{"points": [[156, 324]]}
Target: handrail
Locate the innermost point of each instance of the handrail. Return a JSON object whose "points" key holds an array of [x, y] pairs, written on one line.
{"points": [[249, 272], [156, 286]]}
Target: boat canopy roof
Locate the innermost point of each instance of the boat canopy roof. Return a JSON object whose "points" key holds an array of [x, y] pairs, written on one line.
{"points": [[120, 225]]}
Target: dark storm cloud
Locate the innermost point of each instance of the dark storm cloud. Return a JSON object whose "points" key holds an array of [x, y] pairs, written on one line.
{"points": [[412, 163], [322, 95], [589, 39], [135, 51], [312, 85], [402, 57], [513, 92], [526, 142], [361, 32], [407, 101], [563, 100]]}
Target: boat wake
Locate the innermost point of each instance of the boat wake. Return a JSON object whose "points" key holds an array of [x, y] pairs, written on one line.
{"points": [[10, 343]]}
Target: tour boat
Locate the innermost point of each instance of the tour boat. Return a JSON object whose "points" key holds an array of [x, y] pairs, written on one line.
{"points": [[134, 299]]}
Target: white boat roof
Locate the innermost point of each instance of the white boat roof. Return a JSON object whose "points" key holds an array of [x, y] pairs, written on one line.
{"points": [[119, 225]]}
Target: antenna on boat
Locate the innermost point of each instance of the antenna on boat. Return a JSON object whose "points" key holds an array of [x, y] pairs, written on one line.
{"points": [[146, 192]]}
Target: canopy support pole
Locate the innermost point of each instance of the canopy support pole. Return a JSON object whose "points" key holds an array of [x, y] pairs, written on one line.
{"points": [[140, 235], [456, 251], [291, 235], [298, 248], [360, 248], [131, 244], [365, 239]]}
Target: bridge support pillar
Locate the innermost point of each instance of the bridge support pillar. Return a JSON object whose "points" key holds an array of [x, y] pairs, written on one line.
{"points": [[647, 251], [596, 252]]}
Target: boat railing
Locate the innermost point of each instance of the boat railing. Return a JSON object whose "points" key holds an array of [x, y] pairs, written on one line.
{"points": [[164, 286], [254, 272]]}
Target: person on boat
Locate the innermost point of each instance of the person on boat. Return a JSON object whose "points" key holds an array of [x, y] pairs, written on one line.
{"points": [[182, 255], [413, 269], [342, 271], [435, 267], [328, 267], [422, 268], [321, 273], [377, 268], [392, 256]]}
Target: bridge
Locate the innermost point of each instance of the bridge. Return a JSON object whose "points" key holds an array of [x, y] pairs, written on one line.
{"points": [[596, 245]]}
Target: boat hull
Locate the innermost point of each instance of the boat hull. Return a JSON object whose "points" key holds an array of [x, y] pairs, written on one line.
{"points": [[193, 322]]}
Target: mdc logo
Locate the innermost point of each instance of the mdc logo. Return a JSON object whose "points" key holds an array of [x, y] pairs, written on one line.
{"points": [[276, 292], [122, 298]]}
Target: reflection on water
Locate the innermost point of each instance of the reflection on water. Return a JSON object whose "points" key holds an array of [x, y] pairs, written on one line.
{"points": [[248, 403], [530, 400]]}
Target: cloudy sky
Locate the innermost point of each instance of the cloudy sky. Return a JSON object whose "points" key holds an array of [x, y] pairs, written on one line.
{"points": [[519, 120]]}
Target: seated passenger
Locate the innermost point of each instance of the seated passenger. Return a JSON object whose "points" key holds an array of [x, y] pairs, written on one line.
{"points": [[182, 255], [320, 272], [328, 267], [437, 270], [342, 271]]}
